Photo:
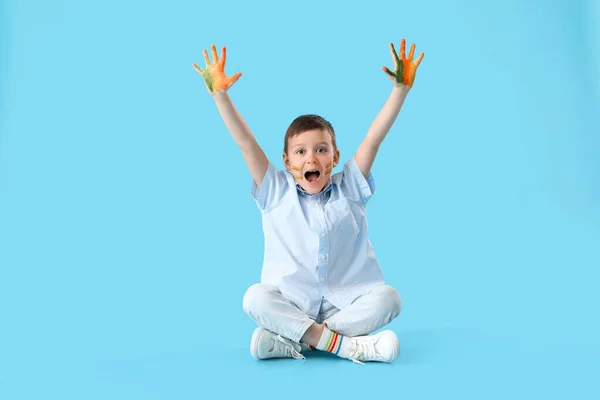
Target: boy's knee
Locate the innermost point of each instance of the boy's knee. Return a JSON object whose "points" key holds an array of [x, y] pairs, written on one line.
{"points": [[256, 295], [391, 300]]}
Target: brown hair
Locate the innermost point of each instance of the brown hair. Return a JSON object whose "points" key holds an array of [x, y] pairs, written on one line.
{"points": [[305, 123]]}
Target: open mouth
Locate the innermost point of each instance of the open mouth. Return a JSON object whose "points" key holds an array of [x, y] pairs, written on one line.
{"points": [[312, 176]]}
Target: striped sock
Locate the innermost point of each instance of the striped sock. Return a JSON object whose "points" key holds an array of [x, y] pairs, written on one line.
{"points": [[335, 343]]}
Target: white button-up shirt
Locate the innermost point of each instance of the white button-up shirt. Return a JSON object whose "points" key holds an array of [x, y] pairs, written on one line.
{"points": [[317, 246]]}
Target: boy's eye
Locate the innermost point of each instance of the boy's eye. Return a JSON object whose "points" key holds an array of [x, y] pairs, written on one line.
{"points": [[321, 150], [300, 151]]}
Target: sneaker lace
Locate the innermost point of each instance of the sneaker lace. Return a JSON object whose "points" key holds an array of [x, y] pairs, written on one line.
{"points": [[365, 350], [287, 347]]}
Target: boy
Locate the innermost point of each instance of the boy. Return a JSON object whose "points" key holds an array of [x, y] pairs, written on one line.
{"points": [[321, 286]]}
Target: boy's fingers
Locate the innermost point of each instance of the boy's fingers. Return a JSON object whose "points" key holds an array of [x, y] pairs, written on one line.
{"points": [[214, 53], [197, 68], [234, 78], [387, 71], [394, 55], [411, 53], [419, 59], [223, 57], [206, 59], [403, 49]]}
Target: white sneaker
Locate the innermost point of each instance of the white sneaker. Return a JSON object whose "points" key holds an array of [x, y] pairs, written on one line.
{"points": [[304, 348], [383, 347], [266, 344]]}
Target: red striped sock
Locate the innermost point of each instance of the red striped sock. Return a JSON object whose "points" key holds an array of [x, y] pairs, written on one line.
{"points": [[334, 343]]}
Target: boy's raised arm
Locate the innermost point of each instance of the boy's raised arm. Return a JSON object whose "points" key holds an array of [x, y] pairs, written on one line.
{"points": [[403, 78], [217, 84]]}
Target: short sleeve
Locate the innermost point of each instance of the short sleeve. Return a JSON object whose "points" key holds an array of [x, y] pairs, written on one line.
{"points": [[354, 185], [271, 190]]}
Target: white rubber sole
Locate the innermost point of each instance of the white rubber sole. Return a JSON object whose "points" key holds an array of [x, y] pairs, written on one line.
{"points": [[254, 342]]}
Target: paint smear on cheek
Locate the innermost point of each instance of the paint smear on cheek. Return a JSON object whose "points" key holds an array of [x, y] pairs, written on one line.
{"points": [[297, 169], [328, 168]]}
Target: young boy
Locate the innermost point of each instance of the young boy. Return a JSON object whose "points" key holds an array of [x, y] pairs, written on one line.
{"points": [[321, 286]]}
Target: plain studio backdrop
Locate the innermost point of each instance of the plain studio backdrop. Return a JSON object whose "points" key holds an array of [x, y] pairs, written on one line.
{"points": [[128, 235]]}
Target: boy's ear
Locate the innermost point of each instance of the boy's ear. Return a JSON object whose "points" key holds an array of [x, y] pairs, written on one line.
{"points": [[336, 158], [286, 161]]}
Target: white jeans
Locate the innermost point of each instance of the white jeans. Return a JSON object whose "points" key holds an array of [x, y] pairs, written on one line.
{"points": [[271, 310]]}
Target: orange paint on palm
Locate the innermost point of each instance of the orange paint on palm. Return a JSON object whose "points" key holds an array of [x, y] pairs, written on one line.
{"points": [[410, 67]]}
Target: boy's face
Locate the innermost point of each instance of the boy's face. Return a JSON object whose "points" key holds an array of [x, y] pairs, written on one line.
{"points": [[311, 158]]}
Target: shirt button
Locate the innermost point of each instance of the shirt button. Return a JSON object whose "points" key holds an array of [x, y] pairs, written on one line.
{"points": [[323, 257], [322, 279], [323, 235]]}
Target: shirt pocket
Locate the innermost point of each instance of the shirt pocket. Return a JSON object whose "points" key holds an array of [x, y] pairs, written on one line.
{"points": [[340, 217]]}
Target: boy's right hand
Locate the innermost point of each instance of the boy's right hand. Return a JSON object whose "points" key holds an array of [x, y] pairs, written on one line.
{"points": [[214, 74]]}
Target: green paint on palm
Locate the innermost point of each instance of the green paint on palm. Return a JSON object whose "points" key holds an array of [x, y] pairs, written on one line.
{"points": [[399, 72], [209, 80], [396, 75]]}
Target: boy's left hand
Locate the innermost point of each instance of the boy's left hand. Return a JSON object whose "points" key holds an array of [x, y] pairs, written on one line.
{"points": [[404, 68], [214, 74]]}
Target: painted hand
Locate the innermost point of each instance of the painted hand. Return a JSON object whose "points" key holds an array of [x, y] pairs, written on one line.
{"points": [[214, 74], [404, 68]]}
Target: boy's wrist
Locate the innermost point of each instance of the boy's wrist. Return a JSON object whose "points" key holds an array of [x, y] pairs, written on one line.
{"points": [[219, 95], [401, 89]]}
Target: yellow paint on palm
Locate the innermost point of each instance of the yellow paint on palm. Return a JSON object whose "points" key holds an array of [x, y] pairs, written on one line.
{"points": [[214, 74], [405, 69]]}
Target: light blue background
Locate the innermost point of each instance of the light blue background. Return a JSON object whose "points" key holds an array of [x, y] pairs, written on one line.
{"points": [[128, 235]]}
